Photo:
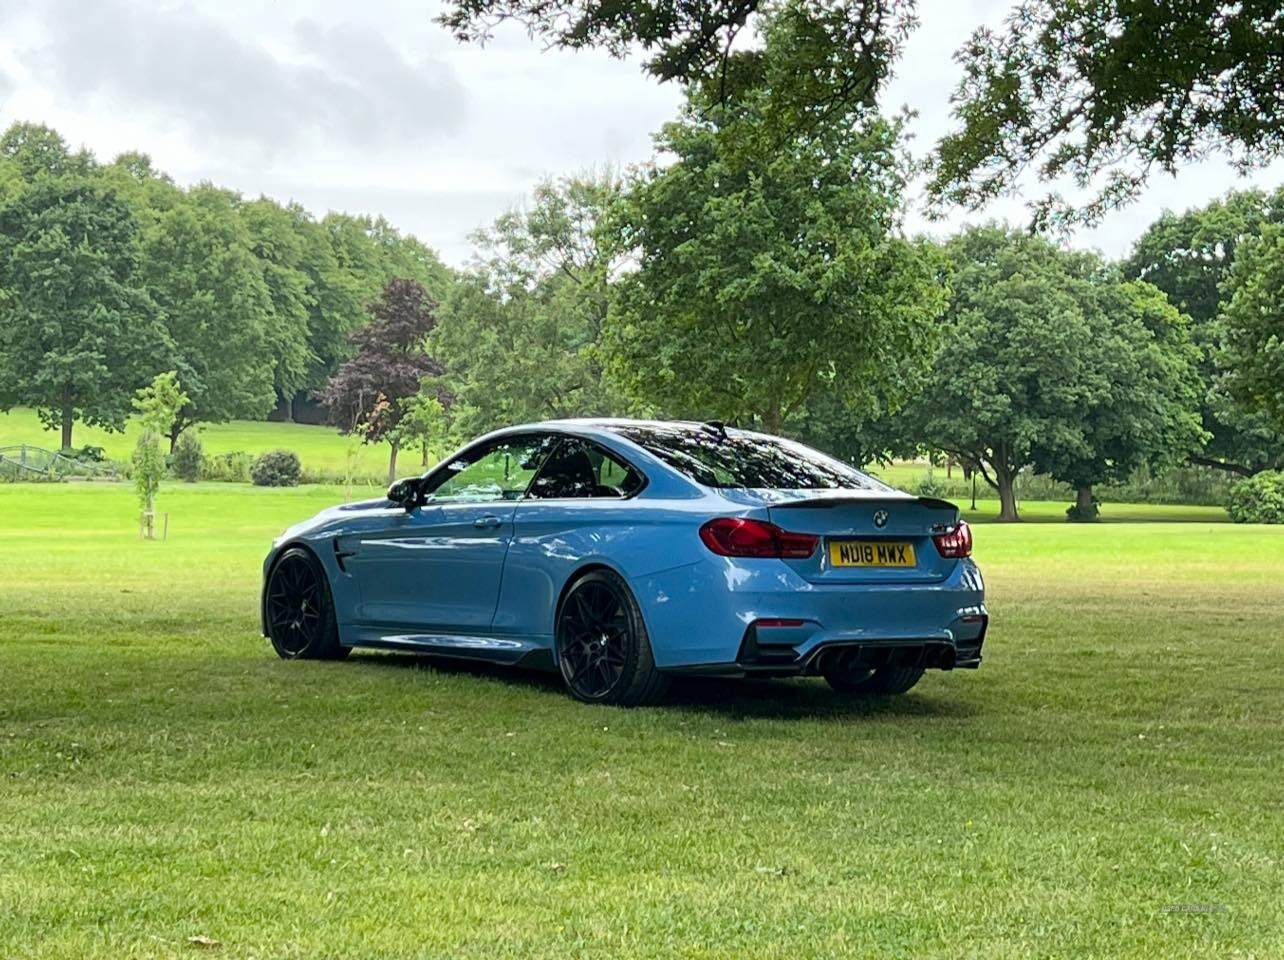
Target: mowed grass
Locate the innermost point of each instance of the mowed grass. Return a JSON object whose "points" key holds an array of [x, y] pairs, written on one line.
{"points": [[1107, 784], [321, 449]]}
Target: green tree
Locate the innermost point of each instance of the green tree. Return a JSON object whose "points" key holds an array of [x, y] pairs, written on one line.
{"points": [[79, 332], [1102, 92], [11, 181], [424, 424], [37, 150], [364, 254], [1010, 369], [201, 269], [1253, 318], [770, 273], [373, 252], [1144, 403], [278, 243], [148, 191], [1049, 358], [520, 335], [1189, 257], [157, 405]]}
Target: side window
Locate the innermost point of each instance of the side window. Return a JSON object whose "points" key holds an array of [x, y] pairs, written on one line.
{"points": [[580, 468], [499, 471]]}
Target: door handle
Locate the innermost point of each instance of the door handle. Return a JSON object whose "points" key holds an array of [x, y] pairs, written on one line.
{"points": [[487, 522]]}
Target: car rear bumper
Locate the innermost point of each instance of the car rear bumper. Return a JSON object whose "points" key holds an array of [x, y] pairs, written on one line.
{"points": [[763, 657], [721, 618]]}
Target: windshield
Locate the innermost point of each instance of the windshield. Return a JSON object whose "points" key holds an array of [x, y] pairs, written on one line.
{"points": [[736, 459]]}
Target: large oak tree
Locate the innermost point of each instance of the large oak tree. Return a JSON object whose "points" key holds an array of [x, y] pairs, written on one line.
{"points": [[201, 269], [78, 331], [1051, 359]]}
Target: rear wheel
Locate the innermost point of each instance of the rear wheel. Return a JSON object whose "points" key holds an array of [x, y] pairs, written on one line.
{"points": [[299, 610], [603, 651], [847, 678]]}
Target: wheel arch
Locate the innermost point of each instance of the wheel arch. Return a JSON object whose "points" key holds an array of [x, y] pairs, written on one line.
{"points": [[274, 558], [589, 566], [570, 581]]}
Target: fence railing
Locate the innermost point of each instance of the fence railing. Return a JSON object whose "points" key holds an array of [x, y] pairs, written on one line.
{"points": [[26, 462]]}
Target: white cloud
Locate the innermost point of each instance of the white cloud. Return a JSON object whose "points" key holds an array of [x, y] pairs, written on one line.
{"points": [[341, 81]]}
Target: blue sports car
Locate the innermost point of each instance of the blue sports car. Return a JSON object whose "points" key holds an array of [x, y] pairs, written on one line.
{"points": [[620, 552]]}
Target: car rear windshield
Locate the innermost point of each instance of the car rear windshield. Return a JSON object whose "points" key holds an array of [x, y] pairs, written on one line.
{"points": [[732, 458]]}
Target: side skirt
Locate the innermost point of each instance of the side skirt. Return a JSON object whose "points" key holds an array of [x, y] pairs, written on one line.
{"points": [[509, 650]]}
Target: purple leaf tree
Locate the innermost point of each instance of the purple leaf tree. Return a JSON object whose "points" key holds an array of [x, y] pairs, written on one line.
{"points": [[367, 395]]}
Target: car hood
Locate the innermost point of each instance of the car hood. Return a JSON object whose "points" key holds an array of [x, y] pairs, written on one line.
{"points": [[330, 515]]}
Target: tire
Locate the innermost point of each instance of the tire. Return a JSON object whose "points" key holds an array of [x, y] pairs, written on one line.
{"points": [[603, 651], [885, 681], [299, 610]]}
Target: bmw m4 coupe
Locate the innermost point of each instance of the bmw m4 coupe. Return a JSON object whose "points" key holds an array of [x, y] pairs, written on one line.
{"points": [[621, 552]]}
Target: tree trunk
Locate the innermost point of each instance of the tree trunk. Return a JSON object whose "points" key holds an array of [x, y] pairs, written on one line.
{"points": [[1083, 498], [174, 431], [771, 420], [68, 415], [424, 461], [1007, 494], [392, 463]]}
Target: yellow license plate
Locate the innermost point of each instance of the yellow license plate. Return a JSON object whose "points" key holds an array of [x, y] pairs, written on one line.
{"points": [[870, 553]]}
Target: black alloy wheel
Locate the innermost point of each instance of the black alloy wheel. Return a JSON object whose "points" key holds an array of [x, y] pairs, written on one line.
{"points": [[299, 611], [603, 650]]}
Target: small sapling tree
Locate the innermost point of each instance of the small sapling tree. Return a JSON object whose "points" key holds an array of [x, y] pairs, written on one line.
{"points": [[157, 405]]}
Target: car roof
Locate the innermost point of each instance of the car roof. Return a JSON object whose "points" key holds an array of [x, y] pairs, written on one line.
{"points": [[613, 425]]}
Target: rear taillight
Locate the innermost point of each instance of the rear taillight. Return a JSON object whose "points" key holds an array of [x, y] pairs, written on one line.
{"points": [[737, 537], [956, 544]]}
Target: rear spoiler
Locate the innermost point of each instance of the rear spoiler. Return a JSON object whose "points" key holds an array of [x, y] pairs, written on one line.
{"points": [[820, 503], [932, 503]]}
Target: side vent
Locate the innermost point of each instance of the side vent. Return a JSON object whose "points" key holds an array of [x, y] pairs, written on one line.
{"points": [[342, 551]]}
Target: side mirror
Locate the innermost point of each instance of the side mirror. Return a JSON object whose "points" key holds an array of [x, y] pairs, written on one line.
{"points": [[404, 493]]}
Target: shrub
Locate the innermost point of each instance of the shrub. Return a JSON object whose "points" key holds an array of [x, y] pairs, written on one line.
{"points": [[233, 467], [1089, 514], [1258, 499], [186, 463], [929, 486], [86, 454], [277, 468]]}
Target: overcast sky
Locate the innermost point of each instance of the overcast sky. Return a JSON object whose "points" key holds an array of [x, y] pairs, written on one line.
{"points": [[371, 107]]}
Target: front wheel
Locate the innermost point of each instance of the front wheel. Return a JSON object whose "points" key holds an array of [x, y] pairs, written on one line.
{"points": [[299, 610], [603, 651]]}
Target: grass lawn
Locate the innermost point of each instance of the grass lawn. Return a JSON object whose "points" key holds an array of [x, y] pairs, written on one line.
{"points": [[319, 448], [1107, 784]]}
